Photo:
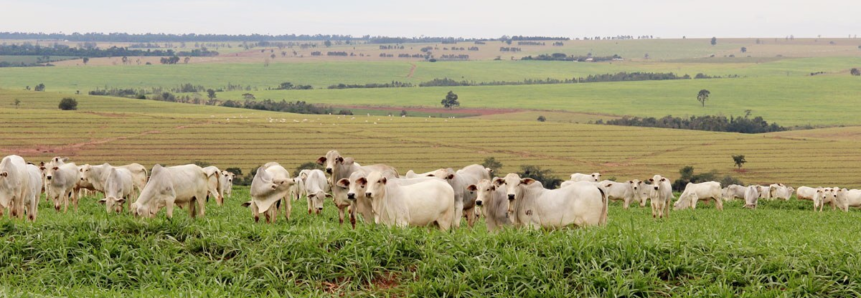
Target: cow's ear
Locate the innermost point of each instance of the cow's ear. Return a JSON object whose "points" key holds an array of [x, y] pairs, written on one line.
{"points": [[339, 159], [362, 181], [343, 183], [328, 195], [651, 180], [608, 185], [4, 174], [321, 160], [103, 201], [527, 181], [56, 168], [490, 172], [121, 200], [498, 181], [65, 159], [449, 177], [471, 187], [42, 164], [663, 179], [246, 204], [384, 180], [631, 181]]}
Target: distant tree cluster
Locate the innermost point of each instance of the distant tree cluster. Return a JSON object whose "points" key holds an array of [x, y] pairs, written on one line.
{"points": [[687, 176], [169, 60], [509, 49], [530, 43], [566, 57], [299, 107], [338, 54], [391, 47], [615, 77], [290, 86], [545, 176], [454, 57], [558, 44], [56, 49], [68, 104], [393, 84], [522, 37], [161, 37], [707, 123], [855, 72]]}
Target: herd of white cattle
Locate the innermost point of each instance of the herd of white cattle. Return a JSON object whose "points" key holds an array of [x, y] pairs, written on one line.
{"points": [[375, 193]]}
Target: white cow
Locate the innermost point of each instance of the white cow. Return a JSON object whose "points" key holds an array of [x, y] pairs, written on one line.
{"points": [[594, 177], [171, 186], [340, 167], [751, 196], [623, 191], [493, 202], [705, 191], [227, 182], [848, 198], [532, 205], [356, 188], [733, 191], [464, 200], [213, 184], [118, 189], [31, 199], [805, 193], [418, 204], [824, 195], [298, 190], [764, 192], [62, 178], [271, 184], [780, 191], [661, 194], [317, 190], [14, 184], [97, 176]]}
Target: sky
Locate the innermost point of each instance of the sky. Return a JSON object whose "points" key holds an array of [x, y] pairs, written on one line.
{"points": [[463, 18]]}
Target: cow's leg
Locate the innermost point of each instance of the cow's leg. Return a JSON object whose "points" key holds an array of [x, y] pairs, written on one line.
{"points": [[289, 208], [667, 209], [627, 202], [458, 213], [718, 204], [353, 217], [470, 216], [341, 214]]}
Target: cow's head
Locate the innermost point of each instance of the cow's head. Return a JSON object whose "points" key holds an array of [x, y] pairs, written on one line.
{"points": [[636, 184], [332, 159], [656, 181], [446, 174], [596, 176], [113, 204], [228, 176], [514, 187], [484, 190]]}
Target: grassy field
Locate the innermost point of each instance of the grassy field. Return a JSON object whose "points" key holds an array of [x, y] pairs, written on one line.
{"points": [[771, 251], [126, 130]]}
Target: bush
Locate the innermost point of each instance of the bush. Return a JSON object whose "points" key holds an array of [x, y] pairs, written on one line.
{"points": [[727, 180], [307, 166], [688, 176], [541, 119], [544, 176], [68, 103]]}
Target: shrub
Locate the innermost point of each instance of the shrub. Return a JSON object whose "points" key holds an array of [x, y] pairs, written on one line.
{"points": [[541, 119], [68, 103], [544, 176]]}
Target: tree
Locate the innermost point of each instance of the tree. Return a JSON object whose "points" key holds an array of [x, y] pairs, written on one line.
{"points": [[17, 103], [210, 93], [248, 96], [186, 59], [703, 96], [307, 166], [744, 49], [450, 100], [541, 118], [492, 164], [68, 103], [327, 43], [40, 87], [403, 113], [855, 72], [86, 59], [739, 160], [714, 40], [544, 176]]}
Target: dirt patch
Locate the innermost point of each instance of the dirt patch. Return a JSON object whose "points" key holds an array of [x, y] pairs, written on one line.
{"points": [[70, 149], [412, 70], [429, 110]]}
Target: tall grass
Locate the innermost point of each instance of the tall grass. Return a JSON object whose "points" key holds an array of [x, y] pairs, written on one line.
{"points": [[780, 249]]}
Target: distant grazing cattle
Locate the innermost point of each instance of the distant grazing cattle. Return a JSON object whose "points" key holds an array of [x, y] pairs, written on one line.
{"points": [[805, 193], [733, 191], [705, 191], [751, 196]]}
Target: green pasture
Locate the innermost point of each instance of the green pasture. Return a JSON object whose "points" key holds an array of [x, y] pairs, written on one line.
{"points": [[775, 250]]}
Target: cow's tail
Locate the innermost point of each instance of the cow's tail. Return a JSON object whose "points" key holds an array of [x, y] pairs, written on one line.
{"points": [[605, 204]]}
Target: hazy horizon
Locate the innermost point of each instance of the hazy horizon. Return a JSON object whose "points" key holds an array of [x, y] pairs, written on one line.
{"points": [[468, 19]]}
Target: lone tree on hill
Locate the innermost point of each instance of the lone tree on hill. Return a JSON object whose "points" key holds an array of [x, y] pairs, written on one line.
{"points": [[703, 96], [714, 40], [68, 103], [855, 72], [450, 100], [40, 87], [327, 43], [210, 93], [541, 119], [86, 60], [744, 49], [739, 160]]}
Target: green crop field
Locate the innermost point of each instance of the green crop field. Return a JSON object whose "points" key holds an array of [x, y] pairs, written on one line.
{"points": [[781, 249]]}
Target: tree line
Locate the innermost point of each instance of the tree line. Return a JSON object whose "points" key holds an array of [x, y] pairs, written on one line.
{"points": [[29, 49], [707, 123], [565, 57], [161, 37], [616, 77]]}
